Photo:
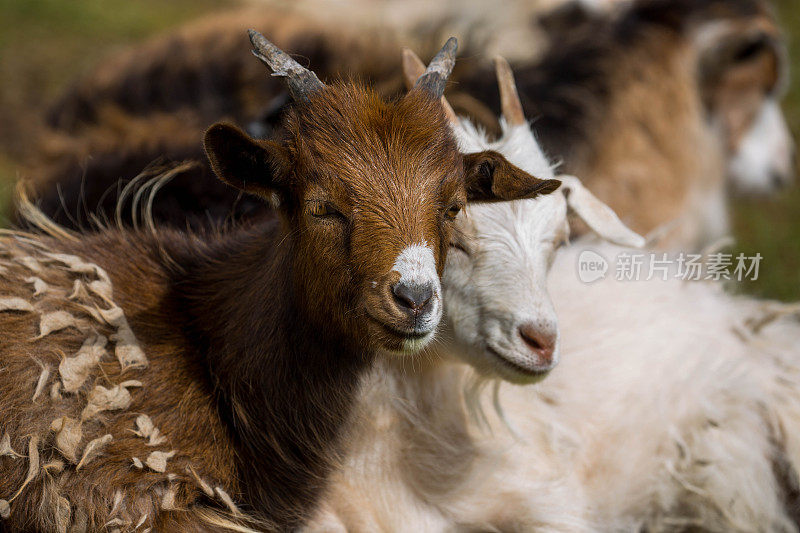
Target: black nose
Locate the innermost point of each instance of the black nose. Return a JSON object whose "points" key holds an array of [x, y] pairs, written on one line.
{"points": [[414, 298]]}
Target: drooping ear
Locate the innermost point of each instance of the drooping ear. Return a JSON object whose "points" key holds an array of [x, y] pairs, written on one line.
{"points": [[597, 215], [491, 178], [255, 167]]}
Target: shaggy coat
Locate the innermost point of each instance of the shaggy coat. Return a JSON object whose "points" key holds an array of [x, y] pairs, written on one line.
{"points": [[687, 420]]}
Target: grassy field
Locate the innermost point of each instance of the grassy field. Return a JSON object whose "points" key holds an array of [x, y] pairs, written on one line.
{"points": [[46, 43]]}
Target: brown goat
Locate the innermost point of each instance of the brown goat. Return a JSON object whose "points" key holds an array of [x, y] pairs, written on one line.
{"points": [[238, 354], [655, 105]]}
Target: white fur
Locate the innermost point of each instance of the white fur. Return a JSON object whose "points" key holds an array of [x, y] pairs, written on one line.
{"points": [[763, 163], [675, 415]]}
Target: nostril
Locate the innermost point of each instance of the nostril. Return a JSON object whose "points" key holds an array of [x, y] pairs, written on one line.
{"points": [[414, 297], [540, 342], [530, 339]]}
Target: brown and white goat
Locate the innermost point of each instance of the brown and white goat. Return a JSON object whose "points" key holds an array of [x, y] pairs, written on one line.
{"points": [[662, 106], [238, 354]]}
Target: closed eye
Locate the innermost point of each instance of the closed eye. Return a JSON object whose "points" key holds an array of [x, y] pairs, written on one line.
{"points": [[460, 247], [459, 242], [555, 242], [452, 212], [324, 210]]}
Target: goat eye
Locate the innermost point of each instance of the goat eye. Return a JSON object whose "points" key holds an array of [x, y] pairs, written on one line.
{"points": [[323, 210], [452, 211], [460, 247]]}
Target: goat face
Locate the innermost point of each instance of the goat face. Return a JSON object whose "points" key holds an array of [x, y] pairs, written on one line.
{"points": [[369, 192], [382, 185], [742, 75], [498, 310], [506, 325]]}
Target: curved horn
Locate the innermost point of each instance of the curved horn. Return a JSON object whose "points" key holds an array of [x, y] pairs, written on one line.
{"points": [[301, 81], [509, 97], [413, 69], [439, 69]]}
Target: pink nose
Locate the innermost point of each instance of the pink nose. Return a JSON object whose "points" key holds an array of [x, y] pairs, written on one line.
{"points": [[541, 341]]}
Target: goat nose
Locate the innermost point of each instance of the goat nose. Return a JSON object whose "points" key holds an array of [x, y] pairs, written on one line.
{"points": [[541, 342], [413, 297]]}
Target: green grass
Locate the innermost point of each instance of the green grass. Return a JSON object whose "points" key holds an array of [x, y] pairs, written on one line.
{"points": [[46, 43]]}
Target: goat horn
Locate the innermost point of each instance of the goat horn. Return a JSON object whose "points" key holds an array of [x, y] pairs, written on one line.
{"points": [[413, 69], [435, 76], [301, 81], [509, 97]]}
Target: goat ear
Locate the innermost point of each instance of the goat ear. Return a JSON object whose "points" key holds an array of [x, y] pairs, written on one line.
{"points": [[597, 215], [491, 178], [255, 167]]}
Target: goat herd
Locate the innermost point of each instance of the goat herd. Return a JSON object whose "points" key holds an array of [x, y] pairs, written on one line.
{"points": [[318, 339]]}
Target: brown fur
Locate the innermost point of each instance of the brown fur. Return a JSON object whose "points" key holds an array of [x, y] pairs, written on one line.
{"points": [[255, 338], [153, 104], [79, 167]]}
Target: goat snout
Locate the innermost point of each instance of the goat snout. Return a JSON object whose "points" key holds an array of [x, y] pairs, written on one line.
{"points": [[541, 342], [413, 299]]}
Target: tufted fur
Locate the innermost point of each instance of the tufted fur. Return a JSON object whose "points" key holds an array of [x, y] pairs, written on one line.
{"points": [[682, 418]]}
